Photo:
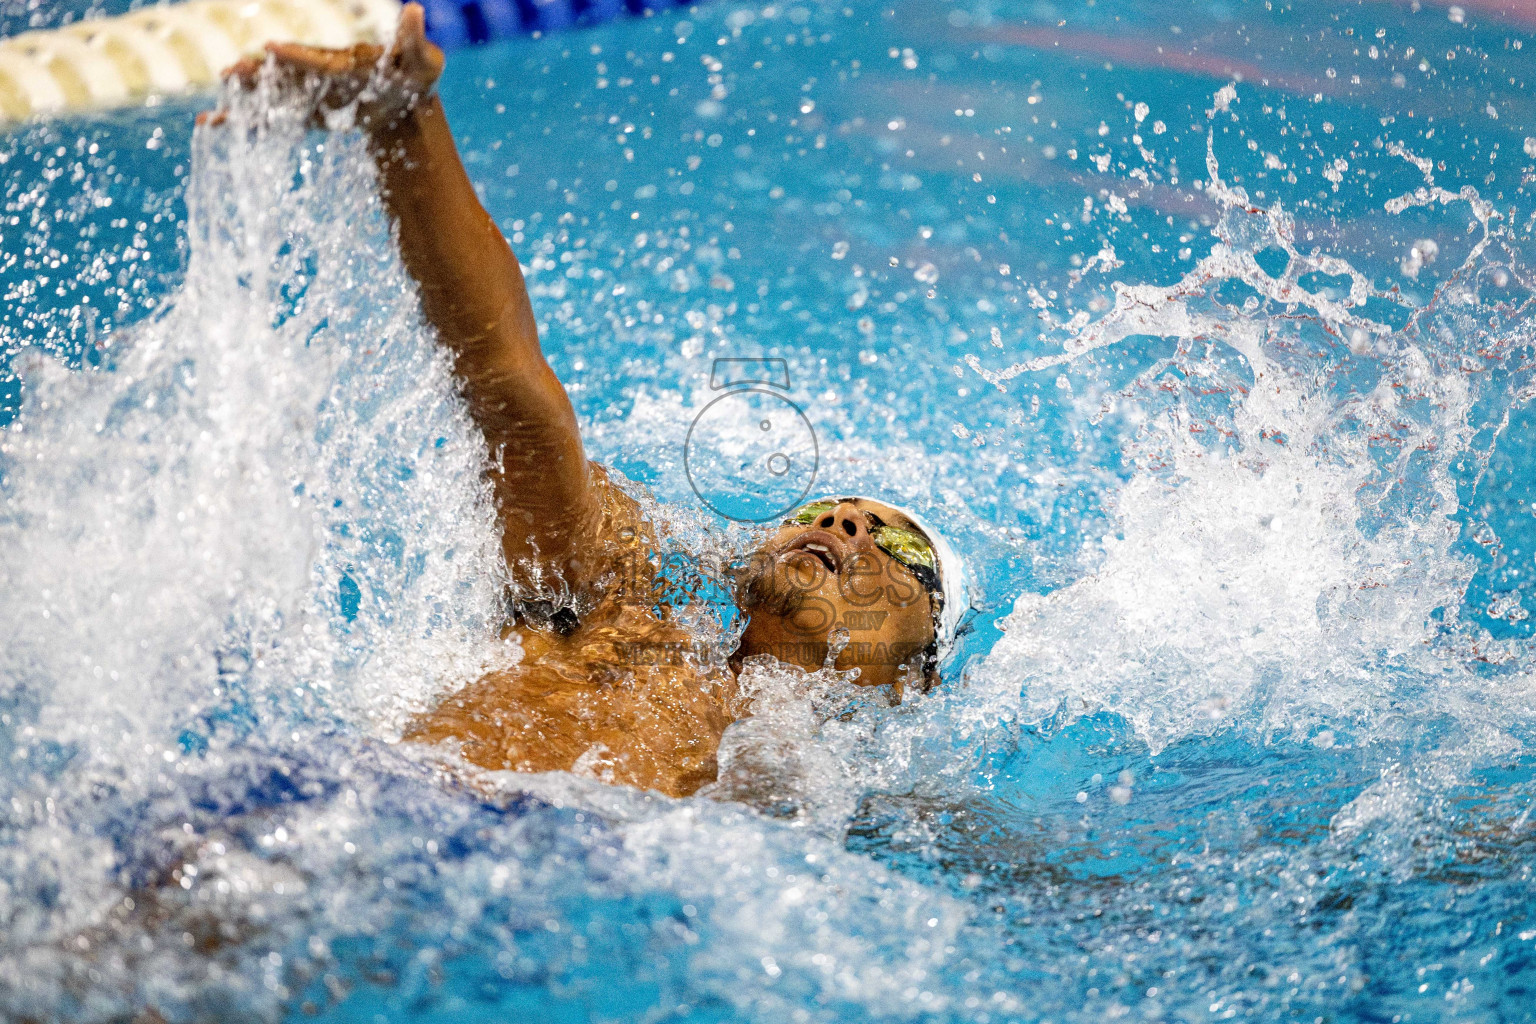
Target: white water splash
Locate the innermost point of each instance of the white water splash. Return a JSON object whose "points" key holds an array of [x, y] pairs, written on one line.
{"points": [[1283, 554], [795, 920], [178, 535]]}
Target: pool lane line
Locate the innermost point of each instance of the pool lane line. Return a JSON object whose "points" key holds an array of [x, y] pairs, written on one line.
{"points": [[167, 50], [1141, 52], [174, 49]]}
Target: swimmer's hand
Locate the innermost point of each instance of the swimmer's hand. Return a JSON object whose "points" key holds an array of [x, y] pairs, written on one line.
{"points": [[379, 85]]}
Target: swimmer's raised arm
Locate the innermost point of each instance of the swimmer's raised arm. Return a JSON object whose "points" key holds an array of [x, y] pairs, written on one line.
{"points": [[472, 292]]}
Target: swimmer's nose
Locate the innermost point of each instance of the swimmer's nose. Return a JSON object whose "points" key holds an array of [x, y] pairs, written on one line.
{"points": [[847, 522]]}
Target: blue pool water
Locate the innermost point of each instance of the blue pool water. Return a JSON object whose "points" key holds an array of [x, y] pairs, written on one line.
{"points": [[1204, 329]]}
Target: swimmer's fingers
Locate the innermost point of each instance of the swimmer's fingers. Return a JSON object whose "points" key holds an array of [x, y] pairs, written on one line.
{"points": [[411, 61], [294, 65], [298, 60], [212, 118], [383, 84], [331, 78], [323, 80], [244, 71]]}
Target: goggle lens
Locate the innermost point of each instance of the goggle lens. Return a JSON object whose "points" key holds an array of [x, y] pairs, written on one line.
{"points": [[805, 515], [908, 547]]}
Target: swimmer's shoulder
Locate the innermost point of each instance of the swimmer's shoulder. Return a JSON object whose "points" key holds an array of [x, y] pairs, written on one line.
{"points": [[626, 692]]}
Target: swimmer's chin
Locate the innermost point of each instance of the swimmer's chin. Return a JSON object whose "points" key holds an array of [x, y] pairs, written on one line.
{"points": [[761, 591]]}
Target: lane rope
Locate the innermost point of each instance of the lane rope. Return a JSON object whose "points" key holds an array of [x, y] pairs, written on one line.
{"points": [[175, 48], [167, 50]]}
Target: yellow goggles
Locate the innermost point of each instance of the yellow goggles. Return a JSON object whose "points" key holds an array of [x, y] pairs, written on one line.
{"points": [[908, 547]]}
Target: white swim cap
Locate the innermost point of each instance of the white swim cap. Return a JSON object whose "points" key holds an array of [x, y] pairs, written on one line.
{"points": [[954, 582]]}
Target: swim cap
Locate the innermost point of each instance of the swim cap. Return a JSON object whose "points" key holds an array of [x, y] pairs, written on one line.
{"points": [[954, 582]]}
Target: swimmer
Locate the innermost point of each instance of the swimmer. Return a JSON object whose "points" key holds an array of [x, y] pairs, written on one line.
{"points": [[607, 683]]}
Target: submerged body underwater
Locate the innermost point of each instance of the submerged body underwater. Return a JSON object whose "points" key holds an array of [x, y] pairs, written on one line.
{"points": [[1204, 334]]}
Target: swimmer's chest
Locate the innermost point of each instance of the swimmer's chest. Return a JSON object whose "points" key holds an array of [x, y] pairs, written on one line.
{"points": [[623, 697]]}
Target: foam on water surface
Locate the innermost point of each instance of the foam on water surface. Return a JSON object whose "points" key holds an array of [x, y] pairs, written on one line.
{"points": [[1277, 552], [210, 545], [1243, 726]]}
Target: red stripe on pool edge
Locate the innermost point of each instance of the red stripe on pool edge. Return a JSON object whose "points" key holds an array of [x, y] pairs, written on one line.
{"points": [[1139, 52]]}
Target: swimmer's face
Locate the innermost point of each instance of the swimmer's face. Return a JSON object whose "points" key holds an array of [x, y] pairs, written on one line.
{"points": [[828, 574]]}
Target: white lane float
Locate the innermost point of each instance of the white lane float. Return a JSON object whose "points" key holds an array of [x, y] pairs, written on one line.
{"points": [[167, 50]]}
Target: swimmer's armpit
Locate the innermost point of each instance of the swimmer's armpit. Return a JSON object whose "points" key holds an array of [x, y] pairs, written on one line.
{"points": [[472, 292]]}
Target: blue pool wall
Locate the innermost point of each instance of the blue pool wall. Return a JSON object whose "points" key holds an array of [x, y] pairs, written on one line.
{"points": [[452, 24]]}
